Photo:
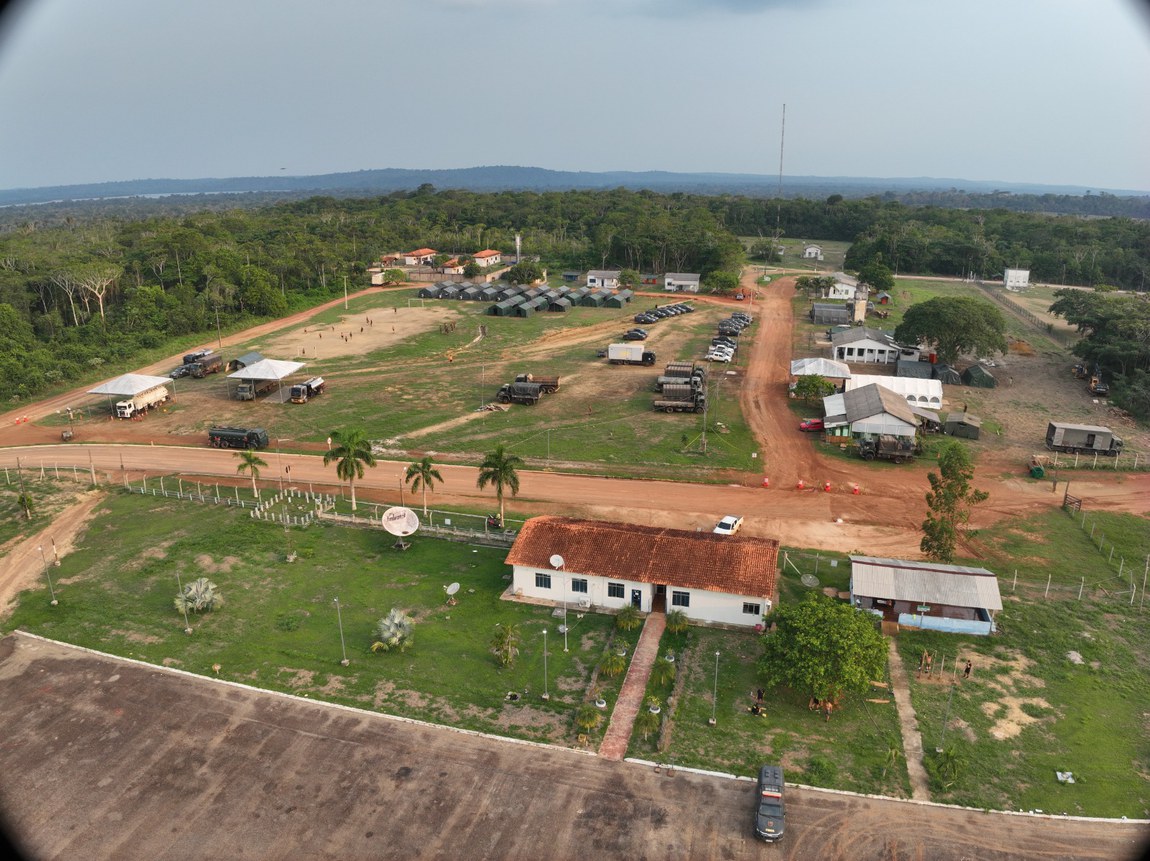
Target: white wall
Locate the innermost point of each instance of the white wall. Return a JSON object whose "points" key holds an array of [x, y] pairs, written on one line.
{"points": [[1016, 278]]}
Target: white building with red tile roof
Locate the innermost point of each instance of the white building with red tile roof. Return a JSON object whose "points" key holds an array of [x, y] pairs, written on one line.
{"points": [[419, 257], [488, 257], [726, 579]]}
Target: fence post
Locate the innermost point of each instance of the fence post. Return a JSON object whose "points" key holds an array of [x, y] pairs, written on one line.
{"points": [[1047, 592], [1014, 588], [1080, 588]]}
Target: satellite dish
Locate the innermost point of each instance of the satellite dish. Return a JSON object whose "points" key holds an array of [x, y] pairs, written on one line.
{"points": [[452, 589], [556, 561], [400, 521]]}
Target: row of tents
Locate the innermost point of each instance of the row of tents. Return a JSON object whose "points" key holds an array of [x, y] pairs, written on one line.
{"points": [[516, 300]]}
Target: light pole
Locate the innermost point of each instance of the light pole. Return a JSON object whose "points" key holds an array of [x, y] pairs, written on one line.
{"points": [[342, 646], [546, 694], [48, 574], [715, 695], [183, 604]]}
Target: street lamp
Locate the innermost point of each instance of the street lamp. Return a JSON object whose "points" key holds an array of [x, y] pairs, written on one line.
{"points": [[715, 695], [546, 694], [183, 605], [342, 646], [48, 574]]}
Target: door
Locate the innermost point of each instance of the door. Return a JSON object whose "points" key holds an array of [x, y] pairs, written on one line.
{"points": [[637, 599]]}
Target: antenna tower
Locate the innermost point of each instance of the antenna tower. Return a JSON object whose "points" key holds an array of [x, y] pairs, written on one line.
{"points": [[779, 201]]}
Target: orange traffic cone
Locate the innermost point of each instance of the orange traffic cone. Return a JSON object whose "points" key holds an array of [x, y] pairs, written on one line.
{"points": [[827, 487], [766, 482], [800, 484], [855, 490]]}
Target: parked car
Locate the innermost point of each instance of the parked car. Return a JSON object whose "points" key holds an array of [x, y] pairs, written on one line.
{"points": [[635, 335], [729, 525], [770, 811], [811, 425], [180, 371]]}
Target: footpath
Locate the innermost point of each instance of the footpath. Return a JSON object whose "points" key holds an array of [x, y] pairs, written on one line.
{"points": [[618, 735]]}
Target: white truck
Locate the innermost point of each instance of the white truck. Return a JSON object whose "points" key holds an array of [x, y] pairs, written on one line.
{"points": [[629, 354], [142, 402]]}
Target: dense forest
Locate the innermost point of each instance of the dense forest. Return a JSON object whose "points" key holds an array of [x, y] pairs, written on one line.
{"points": [[88, 287]]}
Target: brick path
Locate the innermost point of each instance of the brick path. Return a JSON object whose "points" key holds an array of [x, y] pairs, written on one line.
{"points": [[618, 734]]}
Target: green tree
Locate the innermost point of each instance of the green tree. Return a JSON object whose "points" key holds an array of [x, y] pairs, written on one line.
{"points": [[949, 501], [721, 283], [396, 276], [252, 463], [351, 451], [199, 595], [953, 326], [505, 644], [813, 387], [472, 269], [393, 631], [524, 273], [628, 278], [422, 475], [677, 622], [876, 275], [823, 648], [501, 470]]}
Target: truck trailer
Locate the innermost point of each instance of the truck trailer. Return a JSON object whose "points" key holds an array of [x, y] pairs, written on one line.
{"points": [[205, 365], [142, 402], [519, 393], [303, 392], [223, 437], [694, 403], [249, 390], [629, 354], [1082, 439], [549, 385]]}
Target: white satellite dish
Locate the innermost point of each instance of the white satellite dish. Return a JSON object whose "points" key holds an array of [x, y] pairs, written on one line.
{"points": [[556, 561], [400, 521], [452, 589]]}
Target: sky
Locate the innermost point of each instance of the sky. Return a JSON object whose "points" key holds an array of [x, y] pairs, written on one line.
{"points": [[1020, 91]]}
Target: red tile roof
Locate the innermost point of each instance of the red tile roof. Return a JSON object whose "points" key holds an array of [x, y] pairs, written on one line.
{"points": [[420, 252], [487, 253], [740, 565]]}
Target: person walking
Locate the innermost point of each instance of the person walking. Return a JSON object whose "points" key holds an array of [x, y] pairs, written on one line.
{"points": [[966, 670]]}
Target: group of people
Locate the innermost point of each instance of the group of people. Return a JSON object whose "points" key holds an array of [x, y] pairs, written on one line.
{"points": [[926, 664]]}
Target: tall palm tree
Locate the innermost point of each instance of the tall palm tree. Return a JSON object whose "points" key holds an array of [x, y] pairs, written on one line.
{"points": [[501, 470], [251, 462], [422, 476], [351, 450]]}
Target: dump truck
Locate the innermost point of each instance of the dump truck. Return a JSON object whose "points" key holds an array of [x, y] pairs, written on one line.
{"points": [[548, 385], [208, 364], [519, 393], [1082, 439], [629, 354], [303, 392], [888, 447], [223, 437], [249, 390], [142, 402]]}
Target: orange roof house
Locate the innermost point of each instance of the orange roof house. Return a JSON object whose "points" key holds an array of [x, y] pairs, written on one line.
{"points": [[419, 256], [487, 258], [723, 579]]}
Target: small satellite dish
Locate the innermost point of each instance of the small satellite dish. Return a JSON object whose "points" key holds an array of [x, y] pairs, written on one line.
{"points": [[400, 521], [452, 589], [556, 561]]}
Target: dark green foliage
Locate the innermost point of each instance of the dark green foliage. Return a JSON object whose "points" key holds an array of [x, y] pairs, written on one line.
{"points": [[877, 275], [954, 326], [524, 273], [813, 387], [949, 501]]}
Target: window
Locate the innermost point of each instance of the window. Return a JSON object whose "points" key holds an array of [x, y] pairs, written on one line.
{"points": [[542, 581], [614, 590], [752, 609], [579, 585], [680, 599]]}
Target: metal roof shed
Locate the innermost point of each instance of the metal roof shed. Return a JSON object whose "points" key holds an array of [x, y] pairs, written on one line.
{"points": [[926, 595]]}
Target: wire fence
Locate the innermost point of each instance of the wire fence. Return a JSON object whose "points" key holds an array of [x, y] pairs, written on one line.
{"points": [[1064, 336], [1126, 461]]}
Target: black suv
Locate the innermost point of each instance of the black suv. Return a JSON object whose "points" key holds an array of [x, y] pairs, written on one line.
{"points": [[770, 817]]}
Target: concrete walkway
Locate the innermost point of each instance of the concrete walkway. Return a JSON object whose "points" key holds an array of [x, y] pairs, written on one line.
{"points": [[618, 734], [911, 739]]}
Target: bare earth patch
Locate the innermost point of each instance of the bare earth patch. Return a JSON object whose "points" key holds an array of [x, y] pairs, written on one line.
{"points": [[225, 565], [1009, 718]]}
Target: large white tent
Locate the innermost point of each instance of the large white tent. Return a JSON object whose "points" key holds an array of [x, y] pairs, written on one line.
{"points": [[917, 391], [129, 385], [268, 369], [827, 368]]}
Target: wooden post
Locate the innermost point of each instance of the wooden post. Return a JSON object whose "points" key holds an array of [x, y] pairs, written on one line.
{"points": [[1081, 586], [1014, 588], [1048, 576]]}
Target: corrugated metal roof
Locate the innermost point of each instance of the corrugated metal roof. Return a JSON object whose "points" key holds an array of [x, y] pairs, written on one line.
{"points": [[925, 582], [737, 564]]}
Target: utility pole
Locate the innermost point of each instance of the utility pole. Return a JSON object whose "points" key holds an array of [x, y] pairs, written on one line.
{"points": [[345, 292]]}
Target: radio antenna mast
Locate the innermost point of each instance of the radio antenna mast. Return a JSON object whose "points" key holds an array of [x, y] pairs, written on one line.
{"points": [[779, 194]]}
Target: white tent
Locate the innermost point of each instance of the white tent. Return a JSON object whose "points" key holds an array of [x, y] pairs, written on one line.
{"points": [[267, 369], [129, 385], [917, 391], [827, 368]]}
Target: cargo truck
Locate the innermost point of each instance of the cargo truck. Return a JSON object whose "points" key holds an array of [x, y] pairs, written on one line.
{"points": [[695, 402], [1082, 439], [519, 393], [301, 393], [888, 447], [249, 390], [192, 358], [682, 369], [629, 354], [208, 364], [549, 385], [223, 437], [142, 402]]}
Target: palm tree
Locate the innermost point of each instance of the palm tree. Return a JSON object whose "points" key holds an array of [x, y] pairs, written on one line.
{"points": [[500, 469], [199, 595], [350, 450], [422, 476], [393, 632], [252, 462], [505, 644]]}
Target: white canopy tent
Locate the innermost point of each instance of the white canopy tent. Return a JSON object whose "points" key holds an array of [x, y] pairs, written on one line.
{"points": [[268, 369], [827, 368], [917, 391], [130, 385]]}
